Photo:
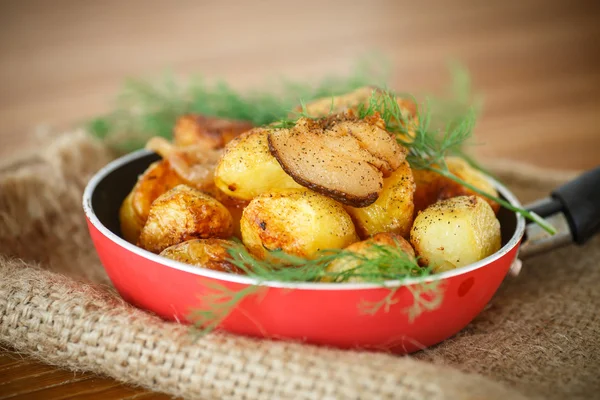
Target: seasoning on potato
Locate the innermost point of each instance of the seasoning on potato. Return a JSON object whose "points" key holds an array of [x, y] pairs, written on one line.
{"points": [[366, 249], [394, 209], [208, 253], [248, 169], [455, 232], [181, 214], [296, 221], [341, 156]]}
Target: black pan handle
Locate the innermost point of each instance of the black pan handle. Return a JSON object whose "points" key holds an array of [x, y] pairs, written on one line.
{"points": [[574, 209], [580, 200]]}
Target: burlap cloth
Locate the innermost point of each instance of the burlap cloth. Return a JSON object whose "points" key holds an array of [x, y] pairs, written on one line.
{"points": [[539, 336]]}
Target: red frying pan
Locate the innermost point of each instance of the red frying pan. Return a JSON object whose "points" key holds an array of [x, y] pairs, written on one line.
{"points": [[329, 313]]}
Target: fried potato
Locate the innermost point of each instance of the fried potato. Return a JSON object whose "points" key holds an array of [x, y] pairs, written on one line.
{"points": [[181, 214], [206, 253], [342, 157], [233, 205], [209, 132], [361, 97], [393, 211], [296, 221], [455, 232], [325, 106], [131, 224], [248, 169], [156, 180], [365, 248], [195, 164], [432, 187]]}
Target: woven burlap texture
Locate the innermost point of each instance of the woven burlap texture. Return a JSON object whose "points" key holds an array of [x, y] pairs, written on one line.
{"points": [[538, 337]]}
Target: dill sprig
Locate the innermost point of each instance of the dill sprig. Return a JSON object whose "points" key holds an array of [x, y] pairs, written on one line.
{"points": [[217, 304], [145, 109], [388, 266], [379, 264], [428, 147]]}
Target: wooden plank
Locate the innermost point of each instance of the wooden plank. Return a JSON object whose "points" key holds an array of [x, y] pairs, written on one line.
{"points": [[150, 396], [8, 360], [25, 369], [87, 389], [32, 383]]}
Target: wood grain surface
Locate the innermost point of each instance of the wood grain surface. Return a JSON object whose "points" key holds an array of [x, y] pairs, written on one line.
{"points": [[535, 62]]}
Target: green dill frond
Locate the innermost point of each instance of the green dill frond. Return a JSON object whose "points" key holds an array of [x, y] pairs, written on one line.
{"points": [[145, 109], [381, 265], [217, 304], [427, 296]]}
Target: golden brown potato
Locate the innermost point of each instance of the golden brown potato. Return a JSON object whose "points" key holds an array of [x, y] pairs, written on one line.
{"points": [[248, 169], [206, 253], [351, 101], [455, 232], [181, 214], [394, 209], [361, 97], [195, 164], [296, 221], [156, 180], [365, 248], [235, 206], [131, 224], [209, 132], [432, 187]]}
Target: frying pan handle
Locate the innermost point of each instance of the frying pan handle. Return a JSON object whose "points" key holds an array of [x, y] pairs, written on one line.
{"points": [[574, 209]]}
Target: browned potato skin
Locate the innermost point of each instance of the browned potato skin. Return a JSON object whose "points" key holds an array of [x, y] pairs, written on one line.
{"points": [[296, 221], [206, 253], [393, 211], [235, 206], [156, 180], [365, 248], [209, 132], [432, 187], [181, 214]]}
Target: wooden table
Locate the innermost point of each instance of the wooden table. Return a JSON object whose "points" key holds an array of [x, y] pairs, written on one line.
{"points": [[536, 62]]}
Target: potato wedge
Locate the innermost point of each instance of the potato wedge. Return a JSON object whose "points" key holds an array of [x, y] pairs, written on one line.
{"points": [[296, 221], [181, 214], [248, 169], [158, 178], [366, 249], [432, 187], [455, 232], [205, 253], [208, 132], [393, 211]]}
